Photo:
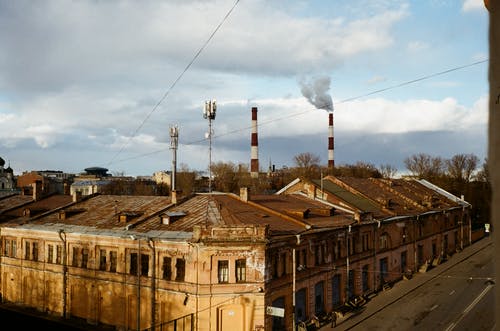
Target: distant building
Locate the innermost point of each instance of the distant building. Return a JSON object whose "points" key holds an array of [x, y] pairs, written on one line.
{"points": [[7, 180], [163, 177]]}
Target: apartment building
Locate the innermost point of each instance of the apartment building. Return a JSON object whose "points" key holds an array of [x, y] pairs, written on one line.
{"points": [[219, 261]]}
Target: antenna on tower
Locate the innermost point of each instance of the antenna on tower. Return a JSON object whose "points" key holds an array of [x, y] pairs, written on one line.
{"points": [[209, 113], [174, 141]]}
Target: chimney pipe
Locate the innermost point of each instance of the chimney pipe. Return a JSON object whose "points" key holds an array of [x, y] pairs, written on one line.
{"points": [[254, 161], [331, 162]]}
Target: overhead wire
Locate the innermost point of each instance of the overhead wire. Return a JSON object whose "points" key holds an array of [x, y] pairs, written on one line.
{"points": [[165, 95], [440, 73]]}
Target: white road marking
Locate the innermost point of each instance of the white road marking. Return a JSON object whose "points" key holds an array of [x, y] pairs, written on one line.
{"points": [[451, 293], [434, 307], [469, 307]]}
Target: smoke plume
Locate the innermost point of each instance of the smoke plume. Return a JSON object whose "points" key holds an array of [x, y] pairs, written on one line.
{"points": [[316, 92]]}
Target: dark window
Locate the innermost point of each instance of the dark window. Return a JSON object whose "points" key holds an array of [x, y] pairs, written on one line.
{"points": [[112, 261], [85, 257], [223, 271], [180, 266], [102, 260], [27, 251], [34, 256], [241, 270], [167, 268], [364, 277], [50, 254], [144, 264], [75, 257], [133, 264]]}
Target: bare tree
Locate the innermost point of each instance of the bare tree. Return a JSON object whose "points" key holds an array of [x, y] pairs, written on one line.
{"points": [[425, 166], [307, 164], [462, 166], [388, 171]]}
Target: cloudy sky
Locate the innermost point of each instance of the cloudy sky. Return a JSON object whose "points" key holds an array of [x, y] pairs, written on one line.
{"points": [[100, 83]]}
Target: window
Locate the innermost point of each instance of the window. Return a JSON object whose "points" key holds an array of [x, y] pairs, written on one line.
{"points": [[144, 264], [10, 247], [102, 260], [75, 257], [85, 257], [364, 278], [180, 266], [112, 261], [34, 255], [167, 268], [50, 254], [241, 270], [27, 251], [384, 241], [58, 254], [133, 264], [365, 237], [283, 263], [223, 271], [274, 265]]}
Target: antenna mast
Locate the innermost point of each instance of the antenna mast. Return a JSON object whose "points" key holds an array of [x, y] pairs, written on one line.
{"points": [[174, 141], [209, 113]]}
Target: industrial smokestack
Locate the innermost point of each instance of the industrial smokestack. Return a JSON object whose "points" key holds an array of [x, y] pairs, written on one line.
{"points": [[331, 161], [254, 152]]}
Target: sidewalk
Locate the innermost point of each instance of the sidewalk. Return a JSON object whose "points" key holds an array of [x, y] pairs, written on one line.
{"points": [[401, 288]]}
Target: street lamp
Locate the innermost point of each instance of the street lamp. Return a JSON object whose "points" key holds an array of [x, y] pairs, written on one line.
{"points": [[209, 113]]}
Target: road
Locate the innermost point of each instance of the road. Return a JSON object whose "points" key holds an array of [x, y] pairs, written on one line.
{"points": [[456, 295]]}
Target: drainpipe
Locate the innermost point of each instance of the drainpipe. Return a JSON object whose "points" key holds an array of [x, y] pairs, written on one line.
{"points": [[294, 268], [62, 236], [415, 262], [347, 262]]}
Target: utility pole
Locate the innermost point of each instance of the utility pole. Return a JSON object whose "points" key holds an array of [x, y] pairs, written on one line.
{"points": [[209, 113]]}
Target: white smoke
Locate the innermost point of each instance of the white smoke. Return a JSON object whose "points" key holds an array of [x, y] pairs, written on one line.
{"points": [[316, 92]]}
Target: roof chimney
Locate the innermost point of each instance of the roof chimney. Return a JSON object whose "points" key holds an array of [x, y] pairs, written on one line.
{"points": [[331, 162], [244, 194], [254, 161], [37, 190]]}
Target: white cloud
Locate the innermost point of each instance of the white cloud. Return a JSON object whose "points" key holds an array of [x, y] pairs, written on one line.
{"points": [[473, 5], [384, 116]]}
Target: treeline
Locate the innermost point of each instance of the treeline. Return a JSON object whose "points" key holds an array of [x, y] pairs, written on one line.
{"points": [[462, 175]]}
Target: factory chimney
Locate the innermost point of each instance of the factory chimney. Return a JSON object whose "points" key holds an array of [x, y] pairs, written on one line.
{"points": [[331, 161], [254, 161]]}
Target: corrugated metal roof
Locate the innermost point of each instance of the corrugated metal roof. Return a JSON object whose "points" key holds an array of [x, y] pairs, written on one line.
{"points": [[357, 201]]}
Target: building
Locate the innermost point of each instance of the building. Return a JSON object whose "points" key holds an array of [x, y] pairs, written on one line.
{"points": [[220, 261], [7, 180]]}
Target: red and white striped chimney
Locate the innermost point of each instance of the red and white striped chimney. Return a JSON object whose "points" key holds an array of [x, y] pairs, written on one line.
{"points": [[331, 162], [254, 161]]}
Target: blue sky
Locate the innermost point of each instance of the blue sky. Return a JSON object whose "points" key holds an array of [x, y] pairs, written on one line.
{"points": [[89, 83]]}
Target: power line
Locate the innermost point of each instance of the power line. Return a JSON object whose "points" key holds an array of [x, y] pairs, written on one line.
{"points": [[176, 81], [306, 111]]}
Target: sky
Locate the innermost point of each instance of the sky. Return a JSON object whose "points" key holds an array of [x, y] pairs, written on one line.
{"points": [[100, 83]]}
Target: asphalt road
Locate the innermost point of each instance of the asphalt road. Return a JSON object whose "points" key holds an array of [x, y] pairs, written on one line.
{"points": [[456, 295]]}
